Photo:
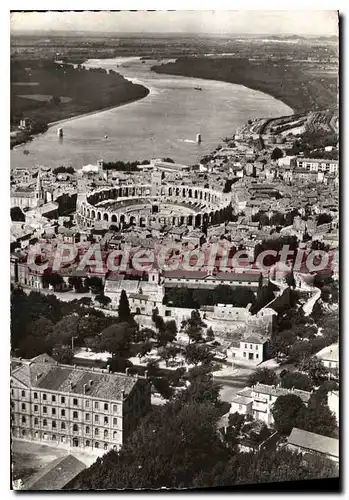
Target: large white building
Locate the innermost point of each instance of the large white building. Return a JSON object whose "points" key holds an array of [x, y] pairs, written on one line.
{"points": [[75, 407]]}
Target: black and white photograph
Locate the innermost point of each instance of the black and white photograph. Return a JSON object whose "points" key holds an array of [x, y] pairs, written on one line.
{"points": [[174, 250]]}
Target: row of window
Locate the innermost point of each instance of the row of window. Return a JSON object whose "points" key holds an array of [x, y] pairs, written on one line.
{"points": [[104, 406], [251, 347], [75, 415], [75, 427], [63, 440]]}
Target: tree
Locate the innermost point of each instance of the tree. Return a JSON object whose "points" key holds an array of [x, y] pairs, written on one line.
{"points": [[53, 279], [315, 369], [195, 354], [124, 308], [17, 215], [144, 348], [116, 339], [162, 386], [262, 376], [296, 380], [285, 411], [276, 154], [63, 354], [209, 334], [103, 299], [75, 282], [324, 218], [318, 418], [94, 283]]}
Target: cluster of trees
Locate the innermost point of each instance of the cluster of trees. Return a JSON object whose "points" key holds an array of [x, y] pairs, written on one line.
{"points": [[92, 283], [17, 215], [63, 170], [42, 323], [221, 294], [124, 166], [295, 338], [177, 446], [276, 219], [289, 411]]}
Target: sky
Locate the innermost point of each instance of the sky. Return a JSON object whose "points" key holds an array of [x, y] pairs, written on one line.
{"points": [[299, 22]]}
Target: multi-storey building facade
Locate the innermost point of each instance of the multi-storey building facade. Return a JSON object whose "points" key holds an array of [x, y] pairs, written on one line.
{"points": [[74, 406], [315, 165], [258, 401]]}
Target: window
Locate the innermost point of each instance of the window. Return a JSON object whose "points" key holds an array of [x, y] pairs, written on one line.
{"points": [[63, 426], [97, 418], [23, 420], [115, 435], [244, 355], [62, 399], [36, 421], [23, 406], [87, 430], [44, 409], [75, 402], [87, 403], [75, 428], [75, 414], [23, 394], [256, 347], [62, 413], [36, 408], [23, 432], [115, 421], [251, 346], [88, 443], [115, 408], [256, 356], [53, 399], [245, 346], [44, 397], [62, 439], [53, 411], [44, 422], [106, 406], [54, 425], [105, 434], [106, 420], [87, 416], [35, 395], [53, 437], [96, 432], [96, 445], [105, 446], [96, 405]]}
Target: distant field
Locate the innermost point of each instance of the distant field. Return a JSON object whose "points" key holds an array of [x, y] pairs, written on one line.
{"points": [[301, 87], [47, 92]]}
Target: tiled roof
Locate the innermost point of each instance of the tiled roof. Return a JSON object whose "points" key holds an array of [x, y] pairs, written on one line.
{"points": [[65, 378], [56, 474], [329, 353], [314, 442], [272, 390]]}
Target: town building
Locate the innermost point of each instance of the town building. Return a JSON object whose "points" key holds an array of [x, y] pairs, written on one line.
{"points": [[330, 356], [75, 407], [258, 400], [309, 442]]}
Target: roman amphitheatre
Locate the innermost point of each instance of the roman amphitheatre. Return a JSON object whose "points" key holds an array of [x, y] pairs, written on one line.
{"points": [[144, 205]]}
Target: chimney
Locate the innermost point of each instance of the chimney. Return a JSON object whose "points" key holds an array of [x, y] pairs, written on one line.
{"points": [[122, 394], [85, 388], [90, 382]]}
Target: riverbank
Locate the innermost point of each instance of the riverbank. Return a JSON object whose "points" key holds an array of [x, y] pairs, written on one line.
{"points": [[290, 84], [62, 82]]}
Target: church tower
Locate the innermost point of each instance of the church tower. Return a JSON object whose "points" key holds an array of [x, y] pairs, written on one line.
{"points": [[39, 191]]}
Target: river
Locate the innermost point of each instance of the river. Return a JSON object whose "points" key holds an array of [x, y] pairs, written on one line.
{"points": [[163, 124]]}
